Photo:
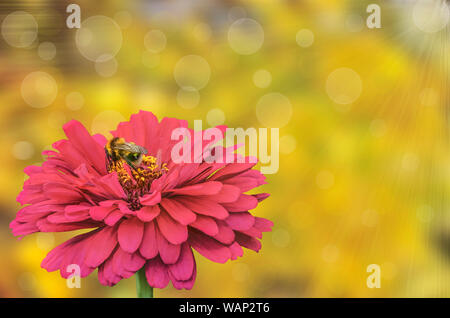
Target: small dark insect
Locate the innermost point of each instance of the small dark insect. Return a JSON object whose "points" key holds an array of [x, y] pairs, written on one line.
{"points": [[117, 149]]}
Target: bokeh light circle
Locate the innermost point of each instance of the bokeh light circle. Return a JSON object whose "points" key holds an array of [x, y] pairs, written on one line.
{"points": [[74, 101], [274, 110], [47, 51], [188, 98], [262, 78], [236, 13], [192, 71], [430, 16], [155, 41], [124, 19], [305, 38], [245, 36], [106, 67], [288, 144], [23, 150], [344, 86], [99, 37], [39, 89], [19, 29], [215, 117]]}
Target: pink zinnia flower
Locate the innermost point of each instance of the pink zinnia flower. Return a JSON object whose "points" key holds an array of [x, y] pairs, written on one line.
{"points": [[151, 217]]}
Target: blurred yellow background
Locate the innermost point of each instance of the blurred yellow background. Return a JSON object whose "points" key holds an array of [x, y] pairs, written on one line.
{"points": [[363, 118]]}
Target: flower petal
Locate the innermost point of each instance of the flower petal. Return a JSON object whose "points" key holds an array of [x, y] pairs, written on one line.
{"points": [[99, 213], [149, 247], [148, 213], [173, 231], [168, 252], [204, 206], [101, 246], [244, 203], [248, 241], [156, 273], [205, 188], [240, 220], [151, 199], [208, 247], [178, 211], [225, 234], [205, 224], [184, 267], [130, 234]]}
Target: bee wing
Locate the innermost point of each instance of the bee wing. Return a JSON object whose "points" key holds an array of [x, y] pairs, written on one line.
{"points": [[124, 146], [131, 148], [142, 150]]}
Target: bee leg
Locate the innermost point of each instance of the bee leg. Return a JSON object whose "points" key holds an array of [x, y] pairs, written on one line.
{"points": [[108, 160], [128, 161]]}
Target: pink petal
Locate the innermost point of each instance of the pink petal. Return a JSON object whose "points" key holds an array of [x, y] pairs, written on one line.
{"points": [[261, 196], [126, 264], [168, 252], [236, 251], [244, 203], [178, 211], [225, 234], [156, 273], [99, 213], [130, 234], [248, 242], [205, 224], [227, 194], [183, 284], [85, 144], [101, 244], [149, 247], [263, 225], [148, 213], [173, 231], [204, 206], [208, 247], [54, 258], [231, 169], [240, 221], [184, 267], [46, 226], [106, 274], [113, 217], [151, 199], [205, 188]]}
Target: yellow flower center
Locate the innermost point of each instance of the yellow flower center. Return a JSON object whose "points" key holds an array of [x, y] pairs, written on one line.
{"points": [[136, 182]]}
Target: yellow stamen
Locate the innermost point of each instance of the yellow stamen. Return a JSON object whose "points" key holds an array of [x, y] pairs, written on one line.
{"points": [[136, 182]]}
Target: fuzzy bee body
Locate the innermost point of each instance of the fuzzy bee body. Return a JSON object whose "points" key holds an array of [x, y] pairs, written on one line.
{"points": [[118, 149]]}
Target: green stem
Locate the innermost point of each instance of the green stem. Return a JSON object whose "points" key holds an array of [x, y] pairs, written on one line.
{"points": [[143, 289]]}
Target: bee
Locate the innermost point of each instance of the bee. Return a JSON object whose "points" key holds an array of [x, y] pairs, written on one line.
{"points": [[117, 149]]}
